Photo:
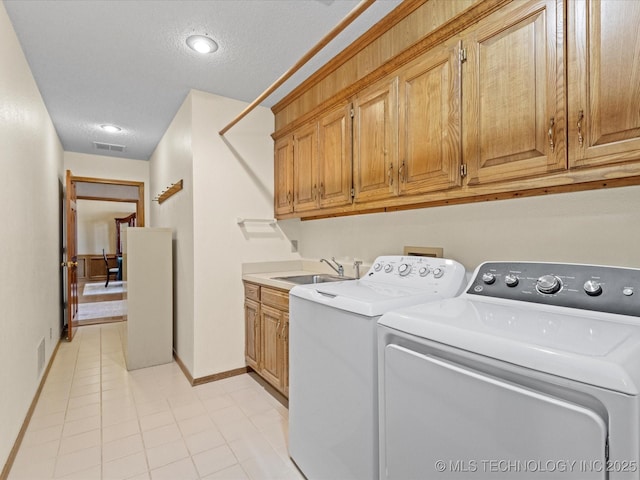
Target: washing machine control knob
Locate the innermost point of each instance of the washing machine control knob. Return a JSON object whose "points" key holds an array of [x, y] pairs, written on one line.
{"points": [[424, 271], [511, 280], [488, 278], [549, 284], [377, 267], [592, 288], [404, 269], [438, 272], [388, 268]]}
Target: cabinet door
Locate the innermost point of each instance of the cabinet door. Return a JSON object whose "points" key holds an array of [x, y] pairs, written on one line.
{"points": [[375, 132], [283, 162], [514, 104], [252, 333], [603, 81], [271, 352], [285, 350], [335, 157], [305, 168], [429, 126]]}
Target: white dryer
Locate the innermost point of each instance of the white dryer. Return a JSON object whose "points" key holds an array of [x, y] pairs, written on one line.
{"points": [[333, 410], [533, 372]]}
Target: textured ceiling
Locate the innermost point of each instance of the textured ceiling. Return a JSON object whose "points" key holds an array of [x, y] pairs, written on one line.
{"points": [[126, 62]]}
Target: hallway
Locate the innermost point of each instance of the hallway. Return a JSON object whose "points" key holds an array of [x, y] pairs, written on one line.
{"points": [[97, 421]]}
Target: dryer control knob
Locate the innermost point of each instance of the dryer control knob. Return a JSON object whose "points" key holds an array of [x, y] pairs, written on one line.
{"points": [[438, 272], [549, 284], [404, 269], [592, 288], [511, 280], [424, 271], [377, 267], [488, 278], [388, 268]]}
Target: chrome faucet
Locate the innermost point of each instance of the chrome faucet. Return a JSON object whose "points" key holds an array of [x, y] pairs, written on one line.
{"points": [[339, 270]]}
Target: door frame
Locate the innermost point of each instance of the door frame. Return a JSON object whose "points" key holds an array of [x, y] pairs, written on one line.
{"points": [[140, 217]]}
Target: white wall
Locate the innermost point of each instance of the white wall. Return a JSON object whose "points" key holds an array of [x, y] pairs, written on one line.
{"points": [[100, 166], [97, 226], [31, 165], [171, 161], [233, 177], [597, 227]]}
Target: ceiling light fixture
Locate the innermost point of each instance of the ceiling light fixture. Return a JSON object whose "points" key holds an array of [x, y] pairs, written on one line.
{"points": [[202, 44], [110, 128]]}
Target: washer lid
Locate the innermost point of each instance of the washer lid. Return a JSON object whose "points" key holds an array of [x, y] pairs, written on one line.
{"points": [[364, 297], [593, 348]]}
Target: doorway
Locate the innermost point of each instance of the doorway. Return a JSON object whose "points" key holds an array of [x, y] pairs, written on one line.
{"points": [[127, 201]]}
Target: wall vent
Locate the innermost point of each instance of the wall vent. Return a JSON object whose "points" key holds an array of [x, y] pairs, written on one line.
{"points": [[41, 357], [109, 147]]}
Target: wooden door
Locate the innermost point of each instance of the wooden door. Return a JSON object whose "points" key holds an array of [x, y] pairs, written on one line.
{"points": [[305, 168], [514, 103], [71, 263], [271, 351], [375, 132], [252, 333], [603, 81], [334, 151], [283, 164], [429, 127]]}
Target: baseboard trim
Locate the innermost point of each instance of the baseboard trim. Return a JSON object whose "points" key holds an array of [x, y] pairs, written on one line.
{"points": [[209, 378], [16, 446]]}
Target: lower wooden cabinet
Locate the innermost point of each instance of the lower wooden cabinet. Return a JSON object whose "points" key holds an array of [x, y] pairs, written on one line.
{"points": [[266, 314]]}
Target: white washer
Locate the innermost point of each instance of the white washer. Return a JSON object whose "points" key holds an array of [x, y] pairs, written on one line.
{"points": [[333, 412], [533, 372]]}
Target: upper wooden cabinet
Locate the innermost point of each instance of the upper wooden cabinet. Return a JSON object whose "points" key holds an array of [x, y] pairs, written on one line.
{"points": [[603, 81], [334, 151], [305, 168], [429, 127], [283, 176], [375, 146], [514, 118]]}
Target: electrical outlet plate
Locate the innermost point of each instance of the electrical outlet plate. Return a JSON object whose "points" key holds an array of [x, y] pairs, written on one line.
{"points": [[294, 246]]}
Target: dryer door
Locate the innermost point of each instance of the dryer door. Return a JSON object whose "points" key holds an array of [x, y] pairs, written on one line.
{"points": [[441, 420]]}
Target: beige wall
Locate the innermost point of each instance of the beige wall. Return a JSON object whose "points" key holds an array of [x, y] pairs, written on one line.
{"points": [[97, 226], [114, 168], [171, 161], [31, 164], [597, 227], [233, 177]]}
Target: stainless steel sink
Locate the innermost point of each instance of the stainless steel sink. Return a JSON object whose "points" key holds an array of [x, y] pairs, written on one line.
{"points": [[317, 278]]}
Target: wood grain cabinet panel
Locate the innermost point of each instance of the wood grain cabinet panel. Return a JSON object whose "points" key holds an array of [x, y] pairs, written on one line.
{"points": [[514, 103], [335, 157], [252, 333], [429, 127], [272, 351], [266, 334], [375, 132], [305, 168], [603, 81], [283, 175]]}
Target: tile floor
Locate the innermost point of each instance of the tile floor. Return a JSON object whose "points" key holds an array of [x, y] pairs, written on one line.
{"points": [[96, 420]]}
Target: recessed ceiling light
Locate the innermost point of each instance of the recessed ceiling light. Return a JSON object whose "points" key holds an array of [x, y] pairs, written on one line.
{"points": [[202, 44], [110, 128]]}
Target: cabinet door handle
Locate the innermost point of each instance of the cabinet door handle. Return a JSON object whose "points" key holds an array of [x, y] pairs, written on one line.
{"points": [[315, 192], [321, 190], [390, 174], [552, 122], [289, 197], [278, 333], [402, 173], [580, 137]]}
